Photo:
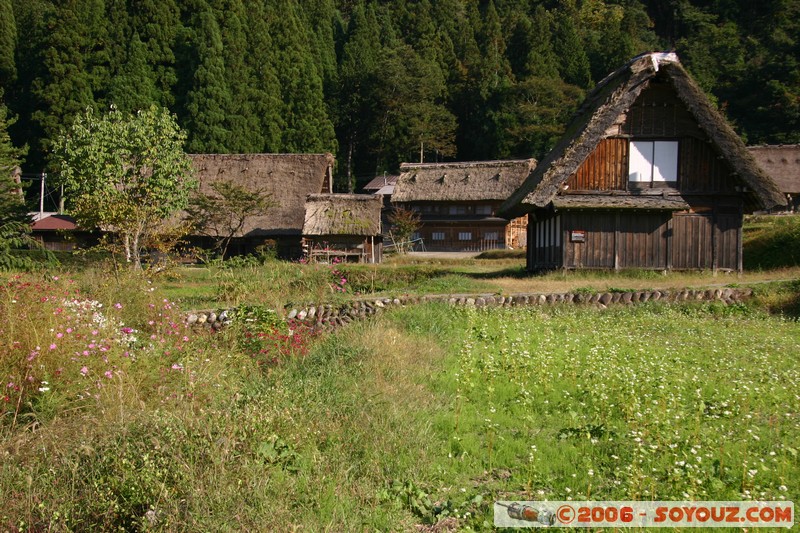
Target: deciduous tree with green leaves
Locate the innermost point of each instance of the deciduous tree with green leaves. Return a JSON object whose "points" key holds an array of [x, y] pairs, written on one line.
{"points": [[125, 173]]}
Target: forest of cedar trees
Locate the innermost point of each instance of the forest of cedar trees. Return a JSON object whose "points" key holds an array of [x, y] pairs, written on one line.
{"points": [[378, 83]]}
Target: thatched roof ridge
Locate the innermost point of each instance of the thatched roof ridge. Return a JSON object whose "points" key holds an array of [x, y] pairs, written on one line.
{"points": [[466, 181], [342, 214], [602, 107], [288, 178], [782, 163]]}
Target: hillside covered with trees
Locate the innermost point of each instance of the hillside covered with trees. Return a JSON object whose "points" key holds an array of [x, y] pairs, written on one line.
{"points": [[381, 82]]}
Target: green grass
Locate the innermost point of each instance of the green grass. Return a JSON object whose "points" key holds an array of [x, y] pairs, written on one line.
{"points": [[120, 417], [422, 414], [771, 242]]}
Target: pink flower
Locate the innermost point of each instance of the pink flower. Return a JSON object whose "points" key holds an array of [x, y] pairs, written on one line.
{"points": [[86, 352], [185, 338], [95, 332], [84, 370], [69, 330], [177, 366], [92, 346], [108, 374], [118, 305], [59, 335], [53, 346]]}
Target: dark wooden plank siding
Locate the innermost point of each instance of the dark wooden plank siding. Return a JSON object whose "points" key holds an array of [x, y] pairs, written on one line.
{"points": [[597, 250], [606, 168], [700, 168], [658, 112], [692, 246], [728, 241], [643, 240], [636, 239]]}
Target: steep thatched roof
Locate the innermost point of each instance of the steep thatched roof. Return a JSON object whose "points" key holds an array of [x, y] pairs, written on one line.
{"points": [[343, 214], [614, 96], [289, 178], [479, 180], [782, 163]]}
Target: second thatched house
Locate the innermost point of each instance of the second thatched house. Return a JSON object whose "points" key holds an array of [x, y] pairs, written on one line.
{"points": [[647, 175], [457, 203], [343, 227], [287, 178]]}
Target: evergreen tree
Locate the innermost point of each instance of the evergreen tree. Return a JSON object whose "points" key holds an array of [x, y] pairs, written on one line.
{"points": [[8, 44], [14, 219], [158, 23], [209, 98], [413, 117], [358, 75], [567, 45], [64, 85], [606, 43], [133, 87], [264, 93], [242, 121], [308, 127], [12, 205]]}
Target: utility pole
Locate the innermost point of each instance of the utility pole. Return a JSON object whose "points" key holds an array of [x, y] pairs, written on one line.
{"points": [[41, 196]]}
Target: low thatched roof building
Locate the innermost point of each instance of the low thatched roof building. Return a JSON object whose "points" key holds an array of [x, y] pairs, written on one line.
{"points": [[470, 181], [288, 178], [343, 227], [782, 163], [342, 214]]}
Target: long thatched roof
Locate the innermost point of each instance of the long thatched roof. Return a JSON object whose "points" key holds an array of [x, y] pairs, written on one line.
{"points": [[342, 214], [782, 163], [288, 178], [471, 181], [603, 106]]}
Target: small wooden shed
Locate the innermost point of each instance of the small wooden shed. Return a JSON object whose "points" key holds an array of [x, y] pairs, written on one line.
{"points": [[343, 227], [647, 175]]}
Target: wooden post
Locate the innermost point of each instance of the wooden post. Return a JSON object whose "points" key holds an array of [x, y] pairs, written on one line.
{"points": [[739, 252], [668, 247], [714, 240], [616, 241]]}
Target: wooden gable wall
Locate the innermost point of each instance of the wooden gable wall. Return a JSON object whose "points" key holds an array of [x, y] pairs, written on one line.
{"points": [[657, 114]]}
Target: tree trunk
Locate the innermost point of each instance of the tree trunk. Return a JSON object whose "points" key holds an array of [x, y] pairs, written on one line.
{"points": [[127, 243], [350, 165], [137, 256]]}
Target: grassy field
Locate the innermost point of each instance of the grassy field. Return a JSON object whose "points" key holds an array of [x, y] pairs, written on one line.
{"points": [[422, 415], [115, 415]]}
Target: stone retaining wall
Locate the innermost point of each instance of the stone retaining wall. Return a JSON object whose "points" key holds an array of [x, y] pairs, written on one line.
{"points": [[329, 316]]}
